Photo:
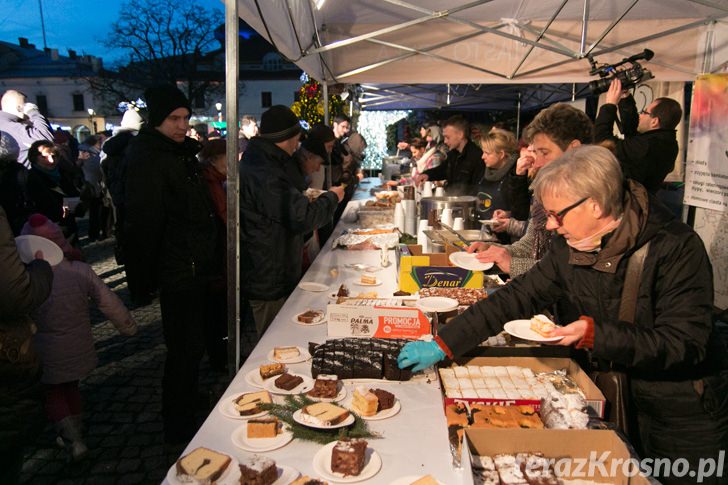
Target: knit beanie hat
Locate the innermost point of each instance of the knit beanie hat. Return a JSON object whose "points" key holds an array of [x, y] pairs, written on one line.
{"points": [[278, 124], [162, 100], [132, 120], [40, 225], [316, 147]]}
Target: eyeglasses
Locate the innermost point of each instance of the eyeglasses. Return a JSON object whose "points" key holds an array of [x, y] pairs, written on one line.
{"points": [[645, 112], [559, 216]]}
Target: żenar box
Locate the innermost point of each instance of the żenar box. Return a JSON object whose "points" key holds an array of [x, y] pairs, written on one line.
{"points": [[376, 321], [597, 456], [594, 397], [418, 270]]}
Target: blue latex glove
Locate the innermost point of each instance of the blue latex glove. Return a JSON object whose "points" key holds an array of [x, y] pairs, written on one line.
{"points": [[424, 354]]}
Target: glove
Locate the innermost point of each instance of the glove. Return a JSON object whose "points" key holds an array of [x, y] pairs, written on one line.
{"points": [[424, 354]]}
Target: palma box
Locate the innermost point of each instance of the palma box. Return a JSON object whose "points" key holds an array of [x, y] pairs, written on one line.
{"points": [[594, 397], [349, 320]]}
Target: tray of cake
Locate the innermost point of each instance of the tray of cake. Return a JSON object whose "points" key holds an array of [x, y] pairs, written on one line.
{"points": [[517, 381], [368, 238]]}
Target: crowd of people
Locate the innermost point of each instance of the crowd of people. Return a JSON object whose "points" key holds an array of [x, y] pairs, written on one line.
{"points": [[572, 206]]}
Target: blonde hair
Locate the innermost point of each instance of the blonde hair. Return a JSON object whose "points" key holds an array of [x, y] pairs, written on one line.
{"points": [[586, 171], [497, 140]]}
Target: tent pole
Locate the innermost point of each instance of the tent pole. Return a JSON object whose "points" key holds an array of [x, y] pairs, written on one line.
{"points": [[518, 118], [233, 213], [584, 25], [326, 122]]}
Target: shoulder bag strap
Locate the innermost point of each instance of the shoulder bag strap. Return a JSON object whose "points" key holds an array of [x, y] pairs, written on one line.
{"points": [[628, 305]]}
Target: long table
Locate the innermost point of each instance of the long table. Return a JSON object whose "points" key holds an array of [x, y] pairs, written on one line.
{"points": [[414, 442]]}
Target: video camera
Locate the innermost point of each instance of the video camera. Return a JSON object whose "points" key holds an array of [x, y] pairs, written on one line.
{"points": [[629, 76]]}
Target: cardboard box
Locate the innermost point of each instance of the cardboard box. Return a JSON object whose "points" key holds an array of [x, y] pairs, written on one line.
{"points": [[594, 397], [376, 321], [418, 270], [577, 453]]}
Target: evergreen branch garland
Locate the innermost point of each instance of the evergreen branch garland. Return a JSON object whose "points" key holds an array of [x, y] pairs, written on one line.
{"points": [[285, 411]]}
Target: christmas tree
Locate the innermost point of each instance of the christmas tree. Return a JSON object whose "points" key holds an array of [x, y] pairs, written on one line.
{"points": [[310, 104]]}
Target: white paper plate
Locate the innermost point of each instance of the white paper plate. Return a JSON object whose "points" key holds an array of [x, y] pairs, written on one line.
{"points": [[231, 476], [258, 445], [227, 408], [359, 283], [253, 378], [489, 222], [440, 304], [297, 418], [311, 286], [340, 396], [522, 329], [286, 474], [29, 244], [387, 413], [468, 261], [409, 479], [294, 319], [307, 384], [322, 466], [302, 357]]}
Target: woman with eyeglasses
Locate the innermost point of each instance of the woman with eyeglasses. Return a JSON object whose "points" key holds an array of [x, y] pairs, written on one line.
{"points": [[670, 351]]}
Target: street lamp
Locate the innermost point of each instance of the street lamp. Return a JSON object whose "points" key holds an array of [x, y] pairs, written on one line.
{"points": [[91, 118], [219, 111]]}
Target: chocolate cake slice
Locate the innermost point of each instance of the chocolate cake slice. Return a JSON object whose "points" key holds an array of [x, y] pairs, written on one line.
{"points": [[288, 382], [348, 456], [258, 470], [385, 398]]}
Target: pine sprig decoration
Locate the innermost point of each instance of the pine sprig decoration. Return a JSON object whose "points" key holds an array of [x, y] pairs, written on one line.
{"points": [[285, 411]]}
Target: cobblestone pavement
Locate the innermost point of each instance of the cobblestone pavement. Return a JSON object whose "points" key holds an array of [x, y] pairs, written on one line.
{"points": [[122, 398]]}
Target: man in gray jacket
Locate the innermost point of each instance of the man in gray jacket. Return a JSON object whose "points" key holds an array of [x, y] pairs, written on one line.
{"points": [[23, 122]]}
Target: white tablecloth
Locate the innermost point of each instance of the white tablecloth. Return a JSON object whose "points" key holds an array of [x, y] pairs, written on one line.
{"points": [[414, 442]]}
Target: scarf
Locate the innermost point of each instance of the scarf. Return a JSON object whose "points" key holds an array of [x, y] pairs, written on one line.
{"points": [[594, 242], [53, 173], [542, 236]]}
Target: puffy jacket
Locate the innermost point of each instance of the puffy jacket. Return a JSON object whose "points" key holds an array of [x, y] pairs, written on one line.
{"points": [[645, 157], [64, 340], [274, 217], [170, 226], [672, 333], [462, 171]]}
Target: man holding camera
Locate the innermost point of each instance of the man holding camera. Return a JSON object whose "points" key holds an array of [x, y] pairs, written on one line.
{"points": [[647, 153]]}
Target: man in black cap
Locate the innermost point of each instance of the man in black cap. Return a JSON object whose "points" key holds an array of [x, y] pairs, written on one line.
{"points": [[171, 242], [275, 215]]}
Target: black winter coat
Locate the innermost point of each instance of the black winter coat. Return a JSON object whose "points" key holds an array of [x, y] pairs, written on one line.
{"points": [[645, 157], [170, 230], [673, 330], [519, 195], [114, 165], [462, 171], [274, 217]]}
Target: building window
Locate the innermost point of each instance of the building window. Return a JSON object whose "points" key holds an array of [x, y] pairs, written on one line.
{"points": [[42, 102], [272, 62], [266, 99], [78, 104]]}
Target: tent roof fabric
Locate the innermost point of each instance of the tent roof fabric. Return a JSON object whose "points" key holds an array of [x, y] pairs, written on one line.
{"points": [[430, 42]]}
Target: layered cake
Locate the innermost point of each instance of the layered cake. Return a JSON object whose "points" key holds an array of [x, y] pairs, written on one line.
{"points": [[364, 403], [247, 404], [262, 428], [258, 470], [286, 353], [360, 358], [287, 381], [325, 387], [323, 414], [542, 325], [202, 465], [310, 316], [270, 370], [385, 399], [368, 279], [306, 480], [348, 456]]}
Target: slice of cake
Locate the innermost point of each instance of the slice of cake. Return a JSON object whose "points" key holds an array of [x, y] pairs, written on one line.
{"points": [[202, 465], [286, 353], [426, 480], [347, 456], [323, 414], [364, 403], [326, 386], [542, 325], [270, 370], [385, 399], [258, 470], [343, 291], [263, 428], [368, 279], [247, 404], [310, 316], [306, 480], [287, 381]]}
